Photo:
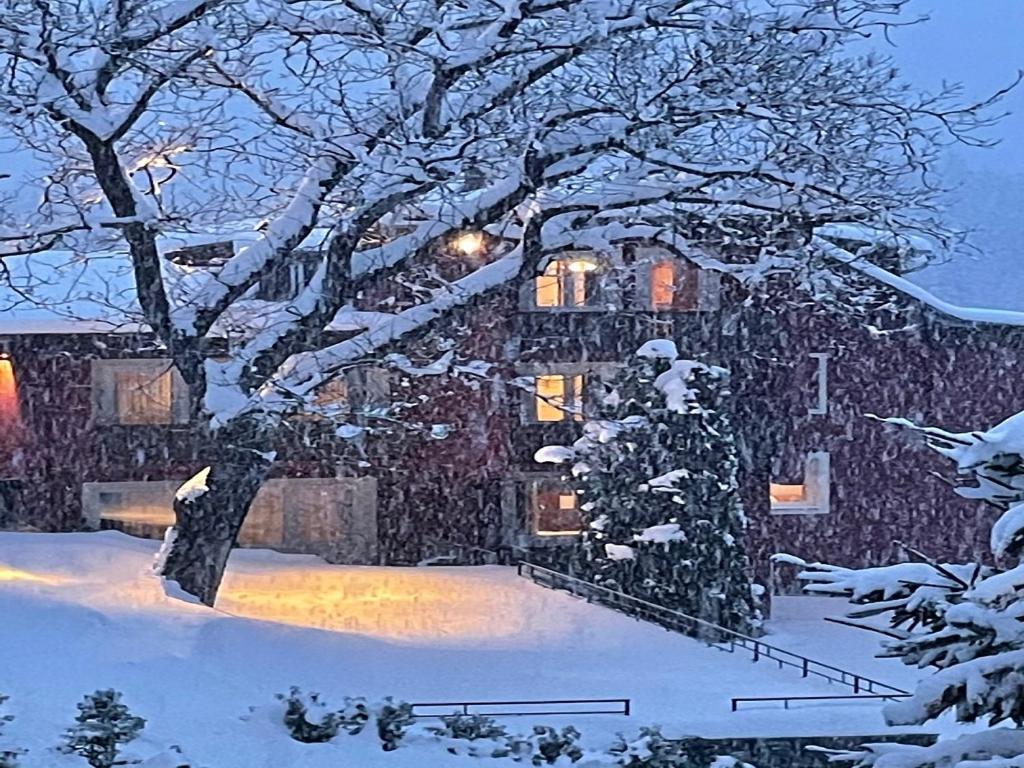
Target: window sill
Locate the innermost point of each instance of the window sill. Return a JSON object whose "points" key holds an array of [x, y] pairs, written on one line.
{"points": [[797, 509], [545, 540], [571, 310]]}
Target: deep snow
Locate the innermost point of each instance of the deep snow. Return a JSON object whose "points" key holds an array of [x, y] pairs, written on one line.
{"points": [[81, 612]]}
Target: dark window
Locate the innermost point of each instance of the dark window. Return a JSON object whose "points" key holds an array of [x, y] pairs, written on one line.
{"points": [[285, 281], [554, 508]]}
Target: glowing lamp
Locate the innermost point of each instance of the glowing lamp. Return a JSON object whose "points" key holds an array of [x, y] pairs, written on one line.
{"points": [[469, 243], [579, 266]]}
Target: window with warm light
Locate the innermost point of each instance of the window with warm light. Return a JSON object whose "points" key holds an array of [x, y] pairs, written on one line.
{"points": [[788, 494], [570, 283], [329, 399], [810, 496], [138, 392], [558, 397], [554, 508], [10, 409], [143, 397], [674, 285]]}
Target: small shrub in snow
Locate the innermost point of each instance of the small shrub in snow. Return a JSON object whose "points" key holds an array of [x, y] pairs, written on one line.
{"points": [[546, 745], [103, 724], [475, 736], [8, 758], [327, 723], [650, 749], [469, 728], [392, 720]]}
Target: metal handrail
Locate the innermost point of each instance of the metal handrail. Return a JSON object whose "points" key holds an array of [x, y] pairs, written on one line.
{"points": [[624, 708], [786, 699], [673, 619]]}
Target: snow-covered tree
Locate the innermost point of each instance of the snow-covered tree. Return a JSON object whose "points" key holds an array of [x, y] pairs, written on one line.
{"points": [[102, 726], [381, 131], [966, 620], [656, 476]]}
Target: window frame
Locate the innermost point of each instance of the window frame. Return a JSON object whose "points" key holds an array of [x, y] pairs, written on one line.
{"points": [[705, 294], [602, 299], [817, 482], [533, 512], [820, 407], [105, 399], [572, 396]]}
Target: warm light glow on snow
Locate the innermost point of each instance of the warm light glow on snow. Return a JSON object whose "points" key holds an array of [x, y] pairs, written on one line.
{"points": [[469, 243], [412, 604], [14, 574]]}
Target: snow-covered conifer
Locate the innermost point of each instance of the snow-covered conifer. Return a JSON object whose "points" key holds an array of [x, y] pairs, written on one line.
{"points": [[102, 726], [964, 620], [656, 477]]}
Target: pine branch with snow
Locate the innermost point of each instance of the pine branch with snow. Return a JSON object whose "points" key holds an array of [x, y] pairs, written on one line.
{"points": [[964, 620]]}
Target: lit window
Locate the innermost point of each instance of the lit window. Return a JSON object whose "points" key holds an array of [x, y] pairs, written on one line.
{"points": [[143, 397], [811, 496], [674, 285], [138, 392], [663, 285], [559, 397], [329, 399], [10, 409], [567, 283], [554, 508], [788, 494]]}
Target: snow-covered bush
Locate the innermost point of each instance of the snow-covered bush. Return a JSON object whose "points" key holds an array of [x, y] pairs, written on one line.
{"points": [[546, 745], [8, 757], [102, 725], [469, 728], [966, 620], [392, 720], [475, 736], [656, 475], [650, 749], [299, 708]]}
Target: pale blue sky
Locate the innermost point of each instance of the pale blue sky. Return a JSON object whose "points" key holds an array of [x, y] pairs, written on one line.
{"points": [[978, 43]]}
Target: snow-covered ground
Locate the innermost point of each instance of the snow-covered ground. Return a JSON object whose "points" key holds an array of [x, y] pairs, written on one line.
{"points": [[81, 611]]}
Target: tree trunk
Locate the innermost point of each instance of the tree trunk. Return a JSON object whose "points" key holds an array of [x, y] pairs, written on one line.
{"points": [[208, 521]]}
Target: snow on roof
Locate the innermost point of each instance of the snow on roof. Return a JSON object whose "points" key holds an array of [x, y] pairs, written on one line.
{"points": [[903, 285], [61, 292]]}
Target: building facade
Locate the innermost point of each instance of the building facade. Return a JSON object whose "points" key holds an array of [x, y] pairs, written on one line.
{"points": [[97, 431]]}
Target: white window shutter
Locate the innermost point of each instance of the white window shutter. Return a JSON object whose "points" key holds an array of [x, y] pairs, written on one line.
{"points": [[104, 395], [818, 480], [642, 285], [709, 286], [180, 411]]}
